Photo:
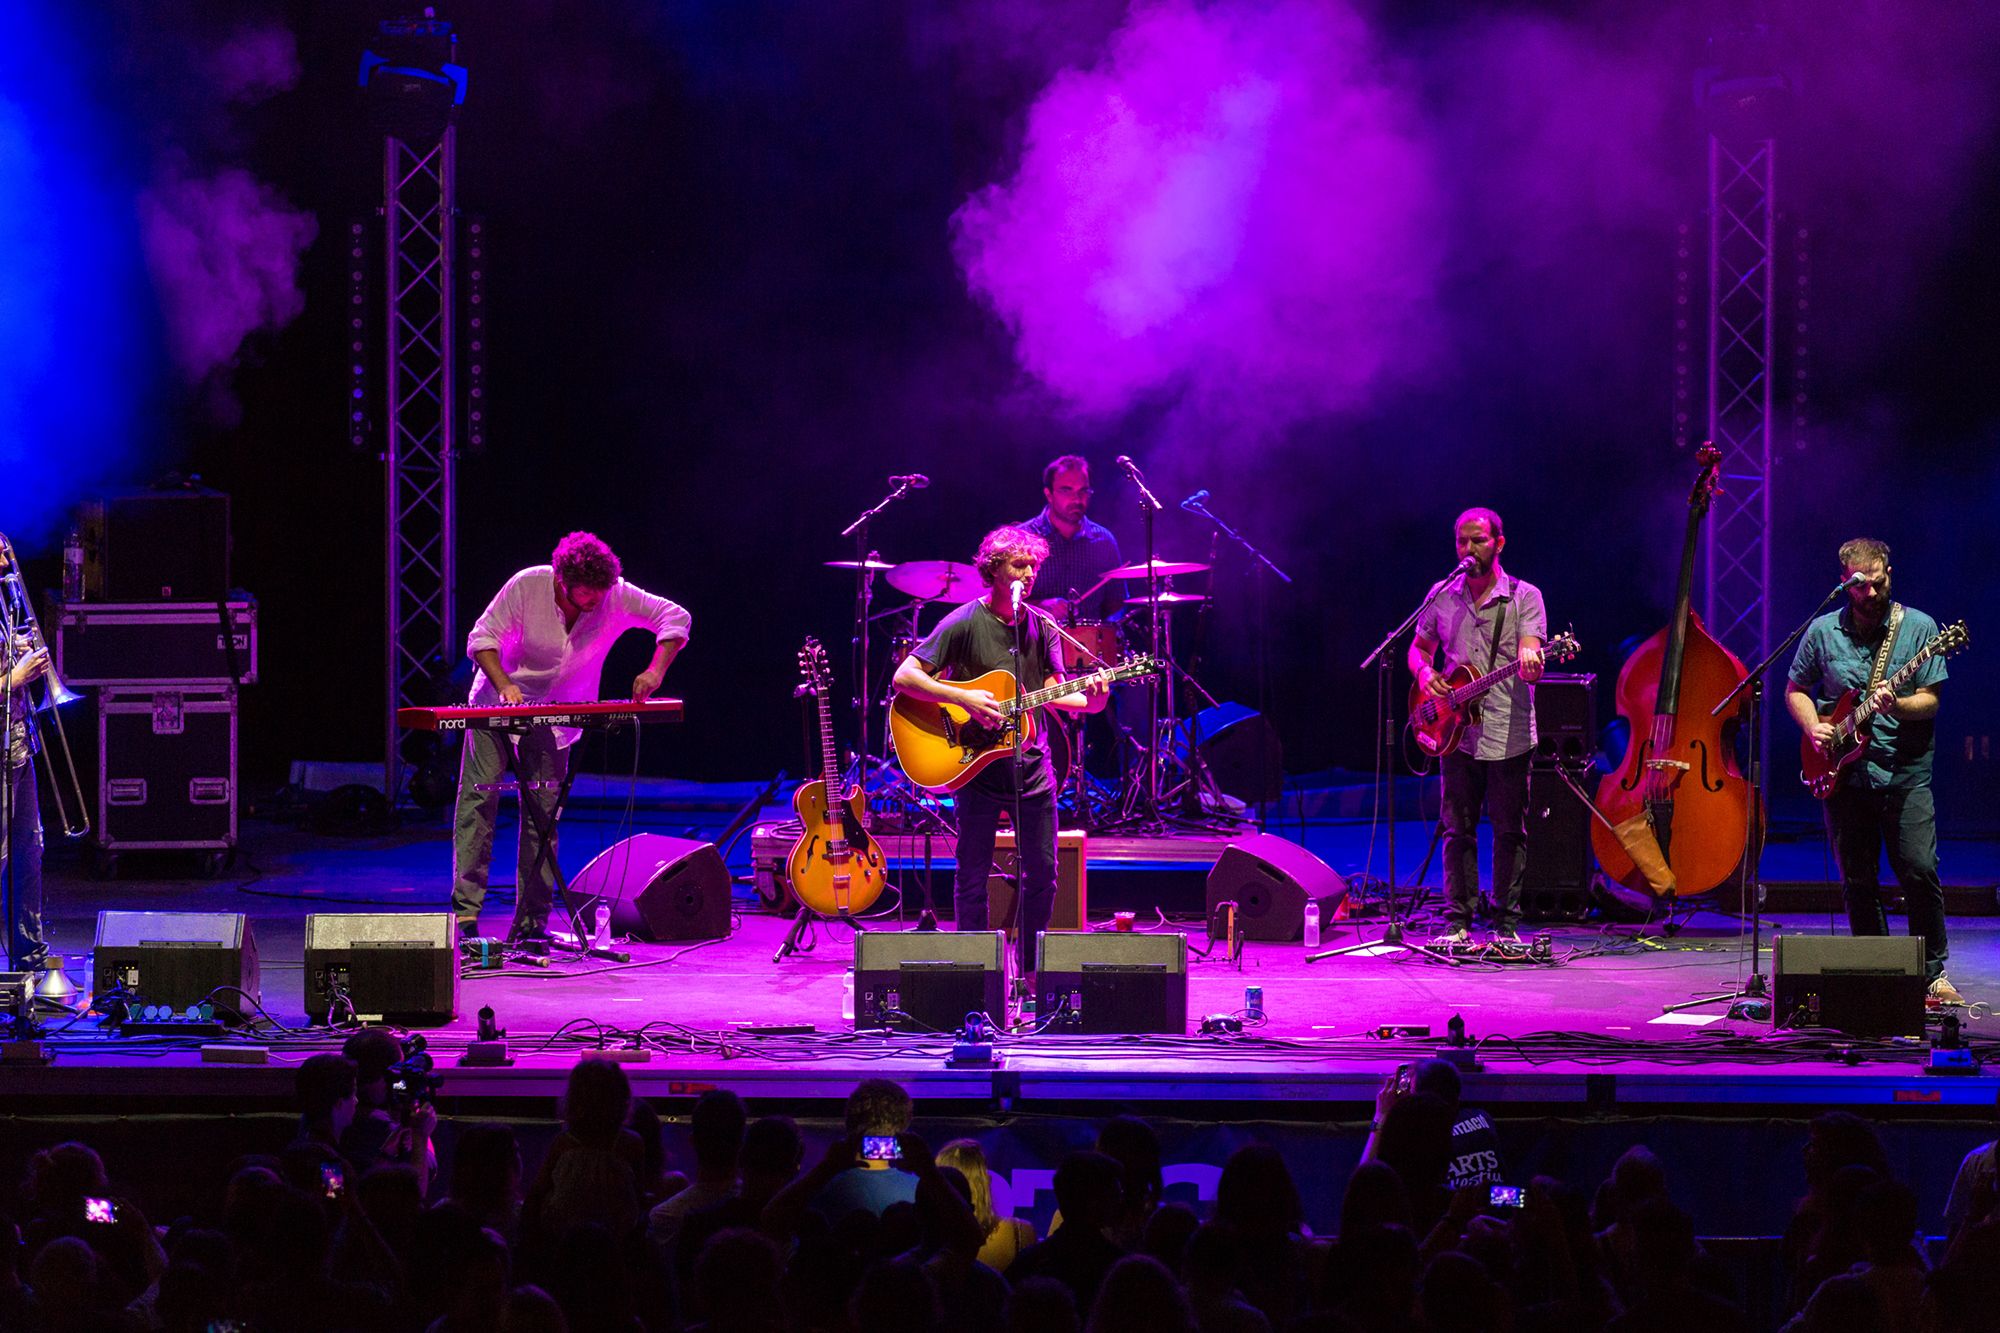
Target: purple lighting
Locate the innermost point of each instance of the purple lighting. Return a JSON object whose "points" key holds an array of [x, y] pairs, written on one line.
{"points": [[1236, 202]]}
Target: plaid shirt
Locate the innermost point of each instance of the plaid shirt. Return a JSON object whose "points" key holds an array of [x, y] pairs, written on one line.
{"points": [[1076, 563]]}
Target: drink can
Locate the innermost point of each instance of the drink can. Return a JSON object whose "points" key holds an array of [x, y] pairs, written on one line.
{"points": [[1253, 999]]}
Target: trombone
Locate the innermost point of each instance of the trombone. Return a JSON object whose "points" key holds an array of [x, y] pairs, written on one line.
{"points": [[46, 694]]}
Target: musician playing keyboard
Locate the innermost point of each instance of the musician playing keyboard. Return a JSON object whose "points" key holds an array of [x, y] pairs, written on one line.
{"points": [[543, 638]]}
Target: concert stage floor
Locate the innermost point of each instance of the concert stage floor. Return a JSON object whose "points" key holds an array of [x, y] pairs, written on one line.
{"points": [[1587, 1032]]}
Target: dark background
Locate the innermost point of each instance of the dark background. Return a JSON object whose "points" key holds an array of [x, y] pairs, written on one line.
{"points": [[724, 307]]}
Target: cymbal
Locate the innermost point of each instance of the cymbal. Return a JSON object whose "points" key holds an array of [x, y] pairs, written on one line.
{"points": [[857, 564], [1163, 568], [935, 580], [1168, 599]]}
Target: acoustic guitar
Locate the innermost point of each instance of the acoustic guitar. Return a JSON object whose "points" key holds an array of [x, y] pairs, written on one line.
{"points": [[1439, 721], [835, 868], [942, 748], [1851, 713]]}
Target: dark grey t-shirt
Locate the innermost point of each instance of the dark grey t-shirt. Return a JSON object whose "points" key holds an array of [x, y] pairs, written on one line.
{"points": [[972, 641]]}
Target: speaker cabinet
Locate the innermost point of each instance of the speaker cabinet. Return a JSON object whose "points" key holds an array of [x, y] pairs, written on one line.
{"points": [[382, 966], [1072, 906], [1112, 981], [1565, 717], [1867, 986], [928, 980], [1555, 886], [159, 546], [1241, 750], [659, 888], [178, 959], [1270, 880]]}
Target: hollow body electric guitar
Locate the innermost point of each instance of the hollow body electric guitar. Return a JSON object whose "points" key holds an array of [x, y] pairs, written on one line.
{"points": [[1438, 722], [1851, 713], [835, 868], [942, 748]]}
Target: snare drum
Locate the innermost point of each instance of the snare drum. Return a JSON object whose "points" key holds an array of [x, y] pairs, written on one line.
{"points": [[1099, 636]]}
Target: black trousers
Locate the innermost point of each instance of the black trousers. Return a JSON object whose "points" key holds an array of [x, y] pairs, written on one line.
{"points": [[979, 805], [21, 865], [1862, 822], [1500, 788]]}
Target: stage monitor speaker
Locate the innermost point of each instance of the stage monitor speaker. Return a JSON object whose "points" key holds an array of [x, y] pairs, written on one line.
{"points": [[157, 546], [1270, 880], [928, 980], [1565, 717], [1071, 910], [1555, 884], [1866, 986], [381, 966], [178, 959], [1241, 750], [659, 888], [1112, 981]]}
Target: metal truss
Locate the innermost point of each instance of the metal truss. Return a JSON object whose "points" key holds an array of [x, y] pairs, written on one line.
{"points": [[419, 215], [1742, 222]]}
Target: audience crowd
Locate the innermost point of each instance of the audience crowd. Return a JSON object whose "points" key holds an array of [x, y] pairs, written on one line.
{"points": [[353, 1227]]}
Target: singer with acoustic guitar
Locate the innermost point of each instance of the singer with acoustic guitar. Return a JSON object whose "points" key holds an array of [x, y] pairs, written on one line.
{"points": [[1883, 798], [1483, 617], [976, 639]]}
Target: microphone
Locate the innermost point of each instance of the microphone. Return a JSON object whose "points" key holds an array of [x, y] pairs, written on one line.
{"points": [[1019, 586], [1854, 580], [1195, 501], [1127, 466], [916, 481], [1464, 567]]}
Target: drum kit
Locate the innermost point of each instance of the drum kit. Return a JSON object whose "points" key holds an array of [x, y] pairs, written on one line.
{"points": [[1132, 791]]}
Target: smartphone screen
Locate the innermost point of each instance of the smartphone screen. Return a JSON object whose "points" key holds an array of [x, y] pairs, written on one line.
{"points": [[331, 1177], [1507, 1196], [880, 1148], [100, 1210]]}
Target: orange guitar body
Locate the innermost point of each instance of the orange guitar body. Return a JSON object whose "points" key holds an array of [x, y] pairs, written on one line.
{"points": [[835, 868]]}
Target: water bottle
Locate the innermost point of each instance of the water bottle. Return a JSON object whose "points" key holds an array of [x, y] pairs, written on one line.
{"points": [[847, 996], [72, 578], [603, 940], [1312, 923]]}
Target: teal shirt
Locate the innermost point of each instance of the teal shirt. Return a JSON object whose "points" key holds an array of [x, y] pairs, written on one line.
{"points": [[1833, 658]]}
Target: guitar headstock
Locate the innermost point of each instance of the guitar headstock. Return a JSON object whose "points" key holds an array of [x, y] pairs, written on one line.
{"points": [[1133, 667], [817, 679], [1950, 639], [1705, 482], [1562, 647]]}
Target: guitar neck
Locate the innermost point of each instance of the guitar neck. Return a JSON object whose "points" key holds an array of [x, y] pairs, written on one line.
{"points": [[1027, 703], [1903, 675], [1473, 689], [829, 766]]}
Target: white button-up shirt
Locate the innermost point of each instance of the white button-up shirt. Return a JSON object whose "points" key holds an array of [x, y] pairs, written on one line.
{"points": [[557, 664]]}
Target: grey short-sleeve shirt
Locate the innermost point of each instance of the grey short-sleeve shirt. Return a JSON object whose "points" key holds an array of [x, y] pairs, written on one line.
{"points": [[1506, 725]]}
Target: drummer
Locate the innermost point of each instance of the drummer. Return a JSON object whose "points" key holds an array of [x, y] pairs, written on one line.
{"points": [[1080, 551]]}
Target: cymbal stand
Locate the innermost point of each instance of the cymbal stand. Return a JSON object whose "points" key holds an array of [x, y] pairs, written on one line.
{"points": [[864, 596], [1385, 780], [1197, 504], [1142, 803]]}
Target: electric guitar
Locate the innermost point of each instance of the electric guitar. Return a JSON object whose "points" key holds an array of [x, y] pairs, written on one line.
{"points": [[1439, 721], [1851, 713], [835, 868], [942, 748]]}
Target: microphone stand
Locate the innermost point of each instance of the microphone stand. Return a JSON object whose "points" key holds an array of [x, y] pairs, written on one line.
{"points": [[1754, 989], [864, 596], [1385, 776], [1148, 808], [1195, 505]]}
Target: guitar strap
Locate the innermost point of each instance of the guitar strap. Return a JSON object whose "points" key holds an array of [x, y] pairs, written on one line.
{"points": [[1888, 646]]}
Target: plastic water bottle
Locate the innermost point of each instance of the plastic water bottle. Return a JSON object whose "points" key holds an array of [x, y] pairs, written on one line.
{"points": [[72, 578], [1312, 923], [847, 996], [603, 939]]}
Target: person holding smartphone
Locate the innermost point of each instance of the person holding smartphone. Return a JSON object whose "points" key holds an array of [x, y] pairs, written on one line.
{"points": [[878, 1115]]}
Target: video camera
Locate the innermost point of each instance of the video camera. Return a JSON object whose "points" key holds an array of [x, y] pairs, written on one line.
{"points": [[411, 1080]]}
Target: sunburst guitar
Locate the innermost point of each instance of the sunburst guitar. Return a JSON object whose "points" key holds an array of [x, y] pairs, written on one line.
{"points": [[941, 748], [1438, 721], [835, 868]]}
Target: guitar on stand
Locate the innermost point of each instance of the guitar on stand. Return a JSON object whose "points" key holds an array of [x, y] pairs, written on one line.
{"points": [[1851, 713], [1438, 722], [836, 870]]}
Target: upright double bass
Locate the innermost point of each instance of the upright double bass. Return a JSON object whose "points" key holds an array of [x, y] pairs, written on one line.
{"points": [[1677, 811]]}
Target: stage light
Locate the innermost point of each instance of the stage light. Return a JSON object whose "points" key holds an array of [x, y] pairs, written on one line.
{"points": [[410, 84]]}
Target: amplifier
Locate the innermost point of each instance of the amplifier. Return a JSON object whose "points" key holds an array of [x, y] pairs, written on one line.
{"points": [[928, 980], [178, 959], [1565, 717], [120, 643], [1867, 986], [395, 966], [157, 545], [1556, 883], [1072, 905]]}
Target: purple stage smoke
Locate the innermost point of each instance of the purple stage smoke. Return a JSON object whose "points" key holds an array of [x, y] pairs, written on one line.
{"points": [[1236, 202], [224, 251]]}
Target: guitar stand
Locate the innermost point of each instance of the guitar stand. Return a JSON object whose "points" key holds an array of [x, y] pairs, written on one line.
{"points": [[795, 937], [547, 856]]}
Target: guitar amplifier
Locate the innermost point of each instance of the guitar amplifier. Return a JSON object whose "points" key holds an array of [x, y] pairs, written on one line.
{"points": [[1071, 910], [1565, 717], [1555, 884]]}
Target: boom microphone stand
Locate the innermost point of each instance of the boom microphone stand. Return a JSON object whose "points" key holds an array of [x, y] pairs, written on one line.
{"points": [[1754, 989], [864, 593], [1385, 773]]}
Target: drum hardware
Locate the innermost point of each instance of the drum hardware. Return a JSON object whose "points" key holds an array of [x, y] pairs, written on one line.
{"points": [[936, 580]]}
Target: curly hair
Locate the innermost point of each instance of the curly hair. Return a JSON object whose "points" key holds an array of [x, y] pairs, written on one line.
{"points": [[582, 560], [999, 546], [878, 1106], [1863, 551]]}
